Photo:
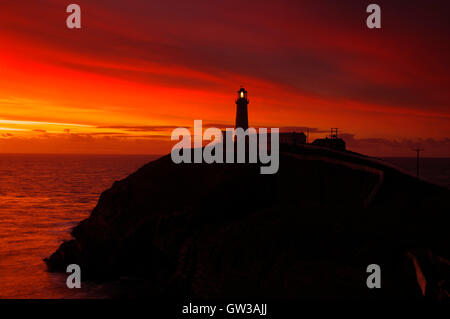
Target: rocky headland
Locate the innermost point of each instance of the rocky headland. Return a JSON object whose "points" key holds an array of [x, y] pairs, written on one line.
{"points": [[308, 231]]}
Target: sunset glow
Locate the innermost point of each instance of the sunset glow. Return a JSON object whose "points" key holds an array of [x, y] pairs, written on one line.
{"points": [[132, 73]]}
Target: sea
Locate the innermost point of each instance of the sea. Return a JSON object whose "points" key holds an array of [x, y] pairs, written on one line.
{"points": [[42, 197]]}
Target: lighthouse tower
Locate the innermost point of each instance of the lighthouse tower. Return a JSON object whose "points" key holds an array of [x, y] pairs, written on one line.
{"points": [[241, 109]]}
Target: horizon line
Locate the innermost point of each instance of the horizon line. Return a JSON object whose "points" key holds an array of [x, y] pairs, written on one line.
{"points": [[137, 154]]}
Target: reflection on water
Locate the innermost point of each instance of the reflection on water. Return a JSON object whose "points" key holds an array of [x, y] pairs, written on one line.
{"points": [[41, 198]]}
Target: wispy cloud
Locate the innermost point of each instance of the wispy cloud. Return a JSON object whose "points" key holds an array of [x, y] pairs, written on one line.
{"points": [[2, 121], [13, 129], [398, 147], [140, 128], [171, 62]]}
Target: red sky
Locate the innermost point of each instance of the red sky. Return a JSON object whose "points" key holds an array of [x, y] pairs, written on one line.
{"points": [[137, 69]]}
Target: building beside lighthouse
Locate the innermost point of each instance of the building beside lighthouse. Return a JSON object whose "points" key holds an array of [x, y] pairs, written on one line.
{"points": [[332, 142], [287, 138], [242, 102]]}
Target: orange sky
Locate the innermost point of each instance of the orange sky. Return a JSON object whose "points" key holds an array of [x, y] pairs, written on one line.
{"points": [[133, 72]]}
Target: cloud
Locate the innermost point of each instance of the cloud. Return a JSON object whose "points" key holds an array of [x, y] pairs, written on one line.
{"points": [[85, 144], [282, 128], [97, 143], [302, 129], [294, 48], [382, 147], [140, 128], [156, 61]]}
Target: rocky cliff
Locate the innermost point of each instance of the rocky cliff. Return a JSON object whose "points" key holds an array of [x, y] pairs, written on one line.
{"points": [[225, 230]]}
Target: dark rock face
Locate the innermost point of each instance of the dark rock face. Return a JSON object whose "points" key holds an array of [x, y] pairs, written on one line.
{"points": [[224, 230]]}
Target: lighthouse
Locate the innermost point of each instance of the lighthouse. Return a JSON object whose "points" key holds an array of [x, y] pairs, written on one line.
{"points": [[241, 109]]}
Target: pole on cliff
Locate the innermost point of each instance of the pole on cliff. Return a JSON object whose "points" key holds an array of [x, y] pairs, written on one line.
{"points": [[418, 150]]}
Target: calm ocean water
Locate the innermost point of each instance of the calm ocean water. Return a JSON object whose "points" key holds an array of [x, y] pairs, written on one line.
{"points": [[43, 196]]}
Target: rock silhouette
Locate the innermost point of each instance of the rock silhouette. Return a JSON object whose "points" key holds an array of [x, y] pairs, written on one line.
{"points": [[225, 230]]}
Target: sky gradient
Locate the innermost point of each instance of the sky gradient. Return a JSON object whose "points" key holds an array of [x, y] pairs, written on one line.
{"points": [[133, 72]]}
